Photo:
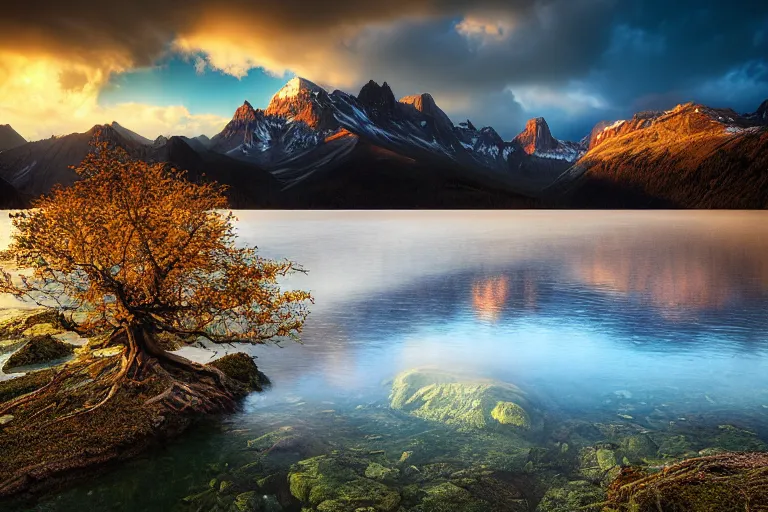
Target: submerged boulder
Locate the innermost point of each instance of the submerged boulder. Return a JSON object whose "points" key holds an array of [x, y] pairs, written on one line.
{"points": [[38, 350], [574, 495], [334, 483], [463, 402]]}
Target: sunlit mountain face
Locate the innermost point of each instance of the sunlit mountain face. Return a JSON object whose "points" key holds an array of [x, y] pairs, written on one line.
{"points": [[498, 64]]}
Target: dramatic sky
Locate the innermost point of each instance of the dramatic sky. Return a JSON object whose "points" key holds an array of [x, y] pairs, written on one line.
{"points": [[171, 67]]}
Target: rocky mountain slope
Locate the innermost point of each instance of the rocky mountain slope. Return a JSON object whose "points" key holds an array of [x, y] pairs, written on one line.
{"points": [[128, 134], [35, 167], [302, 116], [9, 138], [692, 156], [314, 149]]}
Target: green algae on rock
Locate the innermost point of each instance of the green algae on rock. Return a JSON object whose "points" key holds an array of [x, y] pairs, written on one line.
{"points": [[509, 413], [333, 483], [464, 403], [572, 496], [37, 350]]}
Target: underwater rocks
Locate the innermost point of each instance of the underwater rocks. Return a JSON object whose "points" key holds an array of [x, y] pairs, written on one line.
{"points": [[572, 496], [37, 350], [731, 481], [344, 483], [464, 403], [336, 484]]}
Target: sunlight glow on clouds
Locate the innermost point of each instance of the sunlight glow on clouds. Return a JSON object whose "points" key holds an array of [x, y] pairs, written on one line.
{"points": [[43, 96]]}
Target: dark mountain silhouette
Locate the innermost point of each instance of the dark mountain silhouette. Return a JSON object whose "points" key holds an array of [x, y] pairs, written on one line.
{"points": [[9, 138]]}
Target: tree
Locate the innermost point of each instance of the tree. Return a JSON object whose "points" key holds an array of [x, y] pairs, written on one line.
{"points": [[136, 250]]}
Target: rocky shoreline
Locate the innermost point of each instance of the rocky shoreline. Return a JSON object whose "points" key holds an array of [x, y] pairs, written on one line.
{"points": [[45, 444]]}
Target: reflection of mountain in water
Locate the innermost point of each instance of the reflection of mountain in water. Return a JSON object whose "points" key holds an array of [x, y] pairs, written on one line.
{"points": [[677, 276], [491, 295]]}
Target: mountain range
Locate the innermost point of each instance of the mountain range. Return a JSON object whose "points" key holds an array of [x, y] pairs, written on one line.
{"points": [[314, 149]]}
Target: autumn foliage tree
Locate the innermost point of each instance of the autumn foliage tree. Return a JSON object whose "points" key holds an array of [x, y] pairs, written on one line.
{"points": [[136, 250]]}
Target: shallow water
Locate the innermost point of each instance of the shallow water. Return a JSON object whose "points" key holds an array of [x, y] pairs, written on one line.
{"points": [[652, 322]]}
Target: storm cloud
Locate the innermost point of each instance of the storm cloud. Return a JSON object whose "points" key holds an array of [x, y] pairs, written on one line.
{"points": [[497, 62]]}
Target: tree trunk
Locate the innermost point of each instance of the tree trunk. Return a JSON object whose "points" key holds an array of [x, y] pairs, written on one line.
{"points": [[193, 386]]}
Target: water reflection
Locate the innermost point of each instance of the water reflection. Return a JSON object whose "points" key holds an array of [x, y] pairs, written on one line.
{"points": [[489, 296]]}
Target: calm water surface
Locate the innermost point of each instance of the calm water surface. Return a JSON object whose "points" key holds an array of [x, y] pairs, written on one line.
{"points": [[655, 319]]}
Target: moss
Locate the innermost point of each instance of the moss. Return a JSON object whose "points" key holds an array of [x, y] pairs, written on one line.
{"points": [[606, 459], [508, 413], [639, 448], [573, 496], [734, 439], [467, 404], [10, 389], [247, 501], [722, 482], [448, 497], [334, 483], [376, 471], [675, 446], [269, 439], [40, 349], [241, 368]]}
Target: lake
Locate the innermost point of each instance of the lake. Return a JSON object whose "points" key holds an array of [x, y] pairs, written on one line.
{"points": [[618, 326]]}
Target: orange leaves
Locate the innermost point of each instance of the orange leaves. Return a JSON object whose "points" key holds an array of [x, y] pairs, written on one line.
{"points": [[134, 242]]}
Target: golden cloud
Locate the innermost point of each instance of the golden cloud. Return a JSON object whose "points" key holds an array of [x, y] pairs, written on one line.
{"points": [[44, 96]]}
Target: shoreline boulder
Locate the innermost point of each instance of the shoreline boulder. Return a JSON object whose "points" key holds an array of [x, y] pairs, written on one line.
{"points": [[38, 350]]}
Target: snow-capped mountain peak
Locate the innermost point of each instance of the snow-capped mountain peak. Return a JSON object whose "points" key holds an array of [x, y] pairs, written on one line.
{"points": [[295, 86]]}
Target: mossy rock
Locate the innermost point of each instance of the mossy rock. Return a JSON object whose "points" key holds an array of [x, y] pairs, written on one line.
{"points": [[639, 449], [38, 350], [598, 464], [573, 496], [10, 389], [240, 367], [461, 402], [448, 497], [334, 483], [735, 439], [731, 481], [376, 471], [33, 324], [674, 446], [269, 439]]}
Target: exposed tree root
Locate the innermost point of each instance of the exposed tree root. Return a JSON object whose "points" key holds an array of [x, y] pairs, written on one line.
{"points": [[99, 409], [730, 481]]}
